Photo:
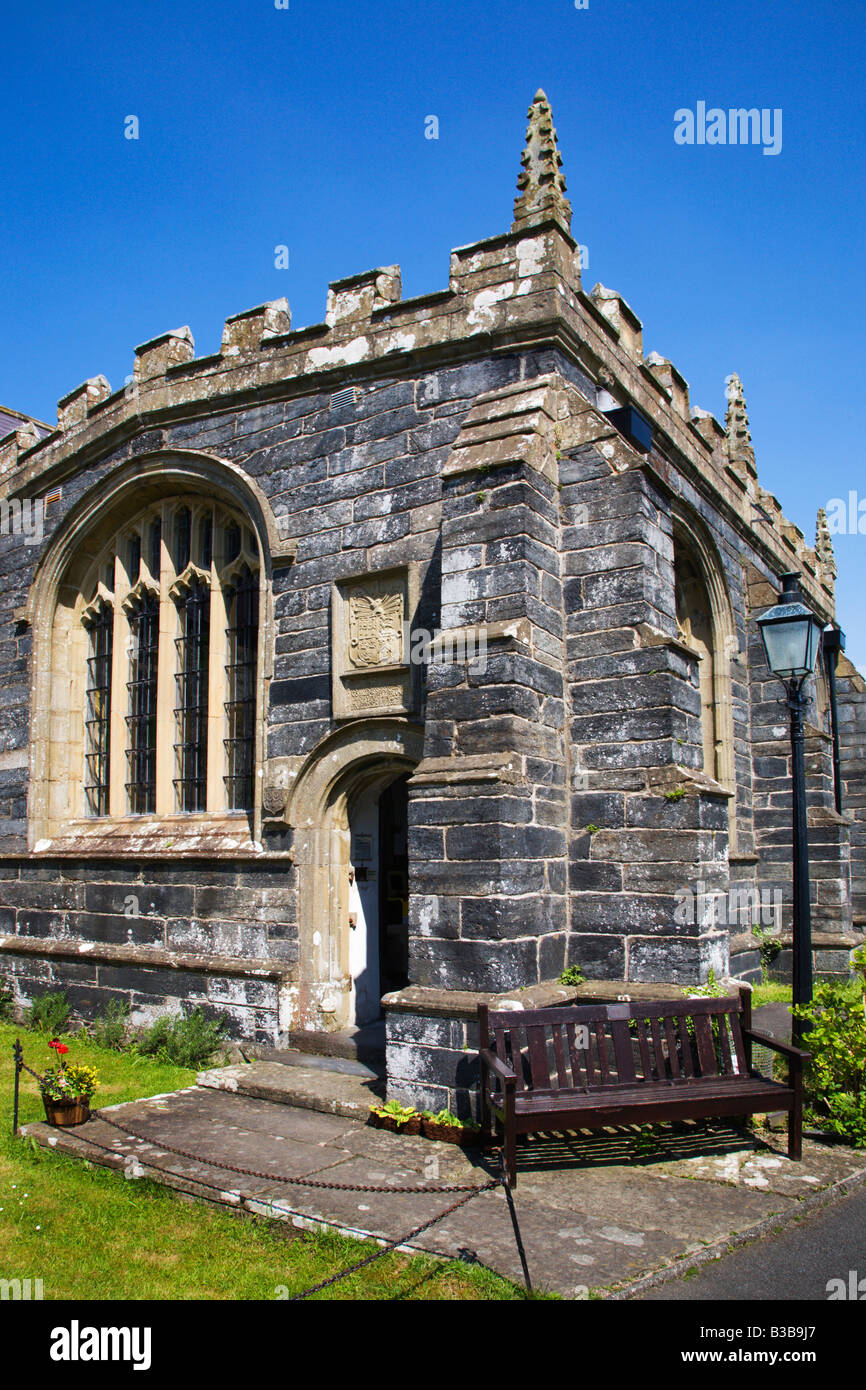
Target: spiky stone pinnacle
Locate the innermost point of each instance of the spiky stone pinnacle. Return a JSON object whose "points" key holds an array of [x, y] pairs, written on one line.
{"points": [[824, 544], [739, 441], [541, 182]]}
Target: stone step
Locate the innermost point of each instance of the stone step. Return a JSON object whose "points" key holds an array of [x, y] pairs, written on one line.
{"points": [[292, 1057], [306, 1087], [366, 1045]]}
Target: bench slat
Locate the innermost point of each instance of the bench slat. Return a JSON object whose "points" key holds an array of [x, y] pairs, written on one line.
{"points": [[585, 1073], [706, 1047], [673, 1049], [622, 1048], [559, 1054], [685, 1045], [601, 1044], [725, 1044], [658, 1049], [643, 1049], [739, 1045], [539, 1066]]}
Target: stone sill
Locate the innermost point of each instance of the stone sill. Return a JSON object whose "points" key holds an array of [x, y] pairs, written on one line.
{"points": [[150, 956], [821, 941], [444, 1003], [148, 836]]}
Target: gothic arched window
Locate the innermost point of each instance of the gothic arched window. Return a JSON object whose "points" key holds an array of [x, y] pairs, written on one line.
{"points": [[169, 617]]}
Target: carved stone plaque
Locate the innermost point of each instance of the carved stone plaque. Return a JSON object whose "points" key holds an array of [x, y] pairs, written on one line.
{"points": [[375, 629], [370, 648]]}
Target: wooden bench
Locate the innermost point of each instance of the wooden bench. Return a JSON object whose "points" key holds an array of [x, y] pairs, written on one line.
{"points": [[586, 1067]]}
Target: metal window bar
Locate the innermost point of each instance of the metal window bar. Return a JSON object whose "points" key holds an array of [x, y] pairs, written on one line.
{"points": [[242, 607], [141, 719], [98, 712], [191, 709]]}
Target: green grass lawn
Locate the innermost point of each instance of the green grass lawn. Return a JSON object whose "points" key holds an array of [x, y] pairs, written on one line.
{"points": [[770, 993], [90, 1233]]}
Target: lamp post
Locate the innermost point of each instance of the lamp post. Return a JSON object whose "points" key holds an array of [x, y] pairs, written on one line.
{"points": [[792, 639]]}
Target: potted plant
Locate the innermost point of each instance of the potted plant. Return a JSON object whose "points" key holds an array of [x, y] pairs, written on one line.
{"points": [[401, 1119], [67, 1088], [448, 1128]]}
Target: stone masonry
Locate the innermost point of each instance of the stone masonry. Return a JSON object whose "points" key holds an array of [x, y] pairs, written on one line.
{"points": [[597, 760]]}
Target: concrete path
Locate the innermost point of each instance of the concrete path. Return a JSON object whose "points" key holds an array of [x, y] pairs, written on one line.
{"points": [[601, 1212], [798, 1264]]}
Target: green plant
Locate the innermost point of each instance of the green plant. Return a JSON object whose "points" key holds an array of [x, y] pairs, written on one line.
{"points": [[187, 1041], [49, 1013], [392, 1109], [572, 975], [111, 1027], [591, 829], [712, 989], [836, 1076], [444, 1117], [768, 948], [676, 795], [481, 497], [7, 999]]}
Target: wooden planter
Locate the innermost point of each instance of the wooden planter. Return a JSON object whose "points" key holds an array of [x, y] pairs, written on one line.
{"points": [[65, 1113], [465, 1135], [396, 1126]]}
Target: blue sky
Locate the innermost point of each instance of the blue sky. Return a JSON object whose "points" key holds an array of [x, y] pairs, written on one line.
{"points": [[305, 127]]}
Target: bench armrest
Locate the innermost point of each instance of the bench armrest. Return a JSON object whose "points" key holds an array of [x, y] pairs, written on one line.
{"points": [[796, 1053], [502, 1069]]}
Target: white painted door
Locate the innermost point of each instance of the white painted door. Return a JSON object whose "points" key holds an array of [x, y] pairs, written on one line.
{"points": [[364, 911]]}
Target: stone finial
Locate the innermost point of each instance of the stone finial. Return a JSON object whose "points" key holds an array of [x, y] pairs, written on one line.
{"points": [[739, 440], [357, 296], [245, 332], [153, 359], [17, 443], [824, 544], [72, 408], [541, 182]]}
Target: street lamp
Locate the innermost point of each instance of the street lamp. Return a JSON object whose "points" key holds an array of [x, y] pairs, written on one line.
{"points": [[792, 640]]}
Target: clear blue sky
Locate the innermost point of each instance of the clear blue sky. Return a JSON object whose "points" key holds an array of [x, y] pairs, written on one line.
{"points": [[305, 127]]}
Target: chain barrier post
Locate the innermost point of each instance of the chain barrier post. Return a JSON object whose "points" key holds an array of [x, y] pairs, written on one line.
{"points": [[18, 1055]]}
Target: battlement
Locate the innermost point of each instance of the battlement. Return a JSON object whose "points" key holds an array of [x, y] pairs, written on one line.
{"points": [[520, 288]]}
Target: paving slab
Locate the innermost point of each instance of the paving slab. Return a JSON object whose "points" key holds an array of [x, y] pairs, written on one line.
{"points": [[601, 1212]]}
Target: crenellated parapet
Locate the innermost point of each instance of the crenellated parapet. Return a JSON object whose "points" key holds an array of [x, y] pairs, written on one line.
{"points": [[518, 290]]}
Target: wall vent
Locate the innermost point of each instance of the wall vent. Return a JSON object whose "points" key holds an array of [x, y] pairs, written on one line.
{"points": [[346, 396], [50, 498]]}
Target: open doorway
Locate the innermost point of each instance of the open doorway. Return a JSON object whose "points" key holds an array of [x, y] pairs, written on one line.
{"points": [[378, 896]]}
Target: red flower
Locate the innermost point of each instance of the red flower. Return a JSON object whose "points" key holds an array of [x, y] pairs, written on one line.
{"points": [[55, 1042], [62, 1048]]}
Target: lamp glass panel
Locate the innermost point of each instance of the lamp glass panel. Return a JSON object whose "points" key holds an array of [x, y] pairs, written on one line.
{"points": [[788, 645]]}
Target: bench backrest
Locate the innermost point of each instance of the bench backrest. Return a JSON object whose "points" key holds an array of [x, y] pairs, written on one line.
{"points": [[599, 1046]]}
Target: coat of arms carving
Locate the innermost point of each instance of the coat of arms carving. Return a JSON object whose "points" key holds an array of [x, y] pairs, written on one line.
{"points": [[376, 630]]}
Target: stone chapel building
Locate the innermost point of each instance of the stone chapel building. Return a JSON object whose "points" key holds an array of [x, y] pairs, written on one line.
{"points": [[410, 654]]}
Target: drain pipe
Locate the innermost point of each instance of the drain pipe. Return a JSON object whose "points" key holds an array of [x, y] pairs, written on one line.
{"points": [[834, 643]]}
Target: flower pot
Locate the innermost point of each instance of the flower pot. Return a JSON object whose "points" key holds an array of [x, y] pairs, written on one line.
{"points": [[65, 1113], [451, 1134], [395, 1125]]}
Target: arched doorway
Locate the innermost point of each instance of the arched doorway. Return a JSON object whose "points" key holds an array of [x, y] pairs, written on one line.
{"points": [[378, 895], [349, 811]]}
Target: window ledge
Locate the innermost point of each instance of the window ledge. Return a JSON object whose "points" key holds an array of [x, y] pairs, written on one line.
{"points": [[148, 835]]}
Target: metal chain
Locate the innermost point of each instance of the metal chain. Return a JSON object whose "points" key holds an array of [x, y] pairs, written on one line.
{"points": [[276, 1177], [392, 1244], [468, 1191], [377, 1254]]}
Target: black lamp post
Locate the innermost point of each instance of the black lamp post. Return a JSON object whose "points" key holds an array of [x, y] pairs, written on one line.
{"points": [[792, 640]]}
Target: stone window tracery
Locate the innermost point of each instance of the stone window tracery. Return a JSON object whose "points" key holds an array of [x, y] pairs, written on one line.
{"points": [[169, 616]]}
